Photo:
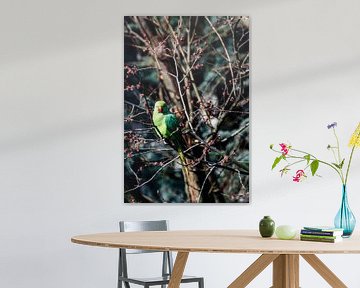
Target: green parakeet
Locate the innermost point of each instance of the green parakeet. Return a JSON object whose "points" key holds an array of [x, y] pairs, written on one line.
{"points": [[168, 127]]}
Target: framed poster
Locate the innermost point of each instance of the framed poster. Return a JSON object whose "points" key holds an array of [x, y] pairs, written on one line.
{"points": [[186, 109]]}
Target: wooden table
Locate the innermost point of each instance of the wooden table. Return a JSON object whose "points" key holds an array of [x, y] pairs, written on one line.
{"points": [[284, 254]]}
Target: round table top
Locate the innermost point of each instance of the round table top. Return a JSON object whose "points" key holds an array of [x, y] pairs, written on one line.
{"points": [[219, 241]]}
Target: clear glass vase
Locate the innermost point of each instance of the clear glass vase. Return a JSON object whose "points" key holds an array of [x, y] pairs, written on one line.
{"points": [[345, 219]]}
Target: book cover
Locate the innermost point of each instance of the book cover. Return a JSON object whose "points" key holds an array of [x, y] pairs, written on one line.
{"points": [[335, 240], [320, 236], [323, 228], [321, 233]]}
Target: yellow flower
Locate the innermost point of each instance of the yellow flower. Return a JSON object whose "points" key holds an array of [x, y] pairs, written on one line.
{"points": [[355, 137]]}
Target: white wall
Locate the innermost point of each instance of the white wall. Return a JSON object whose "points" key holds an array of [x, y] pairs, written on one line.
{"points": [[61, 133]]}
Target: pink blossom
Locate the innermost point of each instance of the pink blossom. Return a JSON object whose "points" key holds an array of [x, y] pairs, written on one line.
{"points": [[284, 148], [300, 174]]}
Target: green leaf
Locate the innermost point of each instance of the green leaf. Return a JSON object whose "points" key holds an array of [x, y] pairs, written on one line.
{"points": [[307, 157], [276, 162], [339, 166], [314, 166], [336, 165], [342, 163]]}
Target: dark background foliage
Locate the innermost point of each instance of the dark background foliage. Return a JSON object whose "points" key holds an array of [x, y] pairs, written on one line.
{"points": [[200, 67]]}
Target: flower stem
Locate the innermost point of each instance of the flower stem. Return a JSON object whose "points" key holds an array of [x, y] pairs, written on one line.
{"points": [[338, 171], [337, 146], [348, 167], [300, 151], [313, 158], [339, 156], [296, 162]]}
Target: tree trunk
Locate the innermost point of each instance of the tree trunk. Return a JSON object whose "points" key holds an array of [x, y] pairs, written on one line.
{"points": [[199, 186]]}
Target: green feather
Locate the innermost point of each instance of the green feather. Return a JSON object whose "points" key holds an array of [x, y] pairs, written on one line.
{"points": [[167, 125]]}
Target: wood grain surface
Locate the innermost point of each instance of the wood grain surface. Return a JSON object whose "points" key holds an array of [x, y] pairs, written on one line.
{"points": [[217, 241], [253, 270]]}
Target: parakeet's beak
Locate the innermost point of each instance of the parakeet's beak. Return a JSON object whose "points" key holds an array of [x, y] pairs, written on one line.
{"points": [[160, 110]]}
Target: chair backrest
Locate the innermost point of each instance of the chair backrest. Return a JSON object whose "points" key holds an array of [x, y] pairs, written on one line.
{"points": [[134, 226]]}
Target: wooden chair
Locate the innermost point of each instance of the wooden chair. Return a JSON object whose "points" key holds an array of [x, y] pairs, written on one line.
{"points": [[167, 262]]}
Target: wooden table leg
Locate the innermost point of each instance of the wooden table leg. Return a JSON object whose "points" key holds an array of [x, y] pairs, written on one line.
{"points": [[324, 271], [286, 271], [253, 270], [178, 269]]}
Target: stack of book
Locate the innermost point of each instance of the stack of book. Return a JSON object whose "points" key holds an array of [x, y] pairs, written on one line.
{"points": [[321, 234]]}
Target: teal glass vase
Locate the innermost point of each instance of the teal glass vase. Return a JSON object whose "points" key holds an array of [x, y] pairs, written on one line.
{"points": [[345, 219]]}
